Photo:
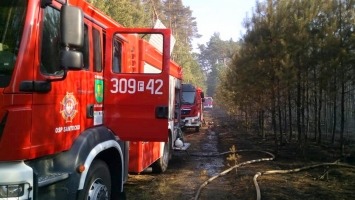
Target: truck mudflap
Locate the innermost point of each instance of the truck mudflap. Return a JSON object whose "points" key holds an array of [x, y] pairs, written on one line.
{"points": [[136, 104]]}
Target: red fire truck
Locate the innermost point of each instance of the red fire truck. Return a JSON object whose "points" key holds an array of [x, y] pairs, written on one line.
{"points": [[191, 108], [72, 93], [208, 103]]}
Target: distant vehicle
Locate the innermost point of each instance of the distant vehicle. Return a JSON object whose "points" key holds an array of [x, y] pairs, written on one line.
{"points": [[191, 108], [208, 104]]}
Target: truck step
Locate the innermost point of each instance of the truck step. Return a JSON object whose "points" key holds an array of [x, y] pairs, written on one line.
{"points": [[51, 178], [183, 148]]}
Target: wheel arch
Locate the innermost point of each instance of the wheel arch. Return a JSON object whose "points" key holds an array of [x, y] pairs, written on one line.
{"points": [[94, 143], [111, 153]]}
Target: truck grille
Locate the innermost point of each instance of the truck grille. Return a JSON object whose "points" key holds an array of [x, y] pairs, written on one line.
{"points": [[185, 112]]}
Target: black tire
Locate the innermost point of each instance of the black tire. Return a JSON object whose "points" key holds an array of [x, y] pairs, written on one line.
{"points": [[197, 129], [161, 165], [98, 182]]}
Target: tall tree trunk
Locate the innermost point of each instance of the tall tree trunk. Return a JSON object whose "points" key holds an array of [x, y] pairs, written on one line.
{"points": [[307, 108], [259, 123], [298, 104], [262, 123], [290, 114], [246, 121], [319, 116], [284, 112], [343, 81], [303, 115], [273, 116], [334, 108], [342, 119], [326, 116], [279, 111], [315, 108]]}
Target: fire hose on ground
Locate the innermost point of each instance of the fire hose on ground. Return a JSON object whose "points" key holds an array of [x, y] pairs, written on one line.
{"points": [[258, 194], [272, 157]]}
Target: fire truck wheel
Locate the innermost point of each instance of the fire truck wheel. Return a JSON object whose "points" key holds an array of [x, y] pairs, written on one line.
{"points": [[98, 182], [161, 164]]}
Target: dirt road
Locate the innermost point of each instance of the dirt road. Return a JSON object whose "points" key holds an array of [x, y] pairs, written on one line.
{"points": [[187, 171]]}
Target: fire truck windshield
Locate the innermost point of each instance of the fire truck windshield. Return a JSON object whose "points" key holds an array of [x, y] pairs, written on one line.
{"points": [[12, 16], [188, 98]]}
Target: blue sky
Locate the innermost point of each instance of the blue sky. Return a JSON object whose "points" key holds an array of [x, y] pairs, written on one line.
{"points": [[222, 16]]}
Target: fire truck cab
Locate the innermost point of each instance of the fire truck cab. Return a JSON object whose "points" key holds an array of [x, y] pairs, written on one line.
{"points": [[72, 94]]}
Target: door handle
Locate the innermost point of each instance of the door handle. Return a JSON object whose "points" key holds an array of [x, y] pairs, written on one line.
{"points": [[90, 111]]}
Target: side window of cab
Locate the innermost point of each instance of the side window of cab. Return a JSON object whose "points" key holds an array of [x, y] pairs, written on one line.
{"points": [[117, 56], [50, 44]]}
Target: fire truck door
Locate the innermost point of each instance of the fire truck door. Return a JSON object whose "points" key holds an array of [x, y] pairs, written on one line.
{"points": [[136, 104]]}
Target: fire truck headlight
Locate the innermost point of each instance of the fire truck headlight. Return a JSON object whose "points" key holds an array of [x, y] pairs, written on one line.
{"points": [[7, 191], [195, 120]]}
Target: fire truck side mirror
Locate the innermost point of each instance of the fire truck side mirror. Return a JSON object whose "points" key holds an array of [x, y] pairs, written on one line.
{"points": [[72, 27], [72, 37], [71, 59]]}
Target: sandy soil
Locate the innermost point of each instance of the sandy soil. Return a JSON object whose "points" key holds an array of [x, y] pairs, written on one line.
{"points": [[204, 160]]}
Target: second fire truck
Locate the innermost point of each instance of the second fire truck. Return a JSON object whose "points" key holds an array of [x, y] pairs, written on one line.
{"points": [[191, 108]]}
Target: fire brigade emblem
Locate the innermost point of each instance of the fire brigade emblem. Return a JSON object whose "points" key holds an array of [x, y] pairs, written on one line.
{"points": [[69, 107], [99, 90]]}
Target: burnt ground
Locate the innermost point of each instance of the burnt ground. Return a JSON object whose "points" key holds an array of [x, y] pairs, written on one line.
{"points": [[189, 170]]}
